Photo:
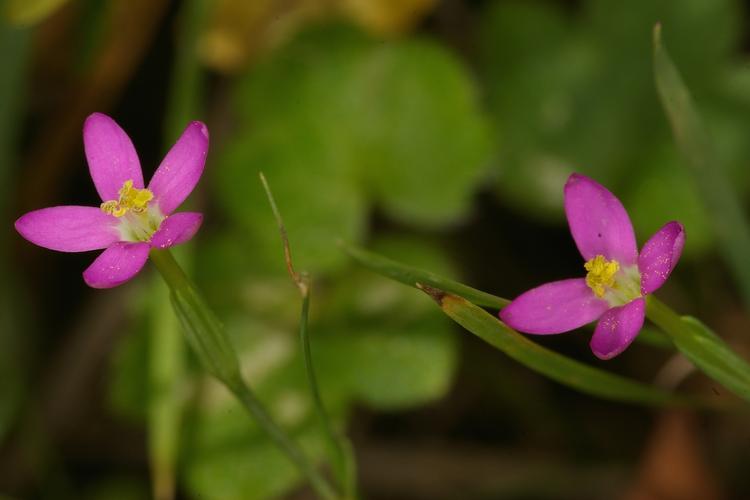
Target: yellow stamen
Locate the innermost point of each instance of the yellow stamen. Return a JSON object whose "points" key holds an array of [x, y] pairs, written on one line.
{"points": [[131, 199], [601, 274]]}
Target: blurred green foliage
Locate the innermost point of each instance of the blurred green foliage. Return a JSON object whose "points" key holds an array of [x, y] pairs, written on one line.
{"points": [[14, 346], [340, 123], [374, 342], [358, 135], [574, 91], [345, 126]]}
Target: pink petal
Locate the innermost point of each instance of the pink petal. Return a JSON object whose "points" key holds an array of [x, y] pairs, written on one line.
{"points": [[69, 228], [660, 255], [116, 265], [176, 229], [555, 307], [181, 169], [598, 221], [111, 156], [618, 328]]}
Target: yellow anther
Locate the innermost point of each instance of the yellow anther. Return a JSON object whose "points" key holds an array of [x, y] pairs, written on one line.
{"points": [[601, 274], [131, 199]]}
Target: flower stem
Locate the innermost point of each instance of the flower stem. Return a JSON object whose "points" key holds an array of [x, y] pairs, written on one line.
{"points": [[207, 337], [339, 447], [664, 317], [340, 453]]}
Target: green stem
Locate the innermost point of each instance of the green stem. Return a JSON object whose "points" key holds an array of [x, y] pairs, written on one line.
{"points": [[207, 337], [166, 368], [283, 441], [665, 318], [339, 447], [343, 461]]}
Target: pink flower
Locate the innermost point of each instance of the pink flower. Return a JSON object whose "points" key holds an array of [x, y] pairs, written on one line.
{"points": [[618, 277], [131, 220]]}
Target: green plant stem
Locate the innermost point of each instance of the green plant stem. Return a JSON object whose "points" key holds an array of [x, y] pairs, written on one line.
{"points": [[409, 275], [207, 337], [282, 440], [706, 350], [339, 448], [166, 368], [343, 462], [664, 317]]}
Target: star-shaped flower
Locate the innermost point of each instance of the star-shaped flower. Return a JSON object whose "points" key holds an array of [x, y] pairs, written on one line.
{"points": [[131, 219], [618, 277]]}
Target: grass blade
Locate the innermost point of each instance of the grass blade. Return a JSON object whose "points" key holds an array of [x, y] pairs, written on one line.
{"points": [[411, 276], [560, 368], [711, 181], [706, 350]]}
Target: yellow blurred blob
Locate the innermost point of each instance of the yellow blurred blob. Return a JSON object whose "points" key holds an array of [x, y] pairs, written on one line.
{"points": [[241, 30]]}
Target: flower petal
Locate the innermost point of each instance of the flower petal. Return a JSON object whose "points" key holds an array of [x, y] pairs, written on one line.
{"points": [[176, 229], [116, 265], [69, 228], [660, 255], [598, 221], [181, 169], [618, 328], [111, 156], [555, 307]]}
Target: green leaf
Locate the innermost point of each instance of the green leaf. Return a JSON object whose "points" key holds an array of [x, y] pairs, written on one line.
{"points": [[555, 90], [728, 220], [319, 199], [662, 193], [478, 321], [388, 366], [411, 276], [339, 123], [706, 350], [242, 471], [228, 455], [560, 368], [709, 353], [417, 118]]}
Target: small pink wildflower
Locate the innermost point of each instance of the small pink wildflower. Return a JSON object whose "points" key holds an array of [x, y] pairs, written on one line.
{"points": [[132, 219], [618, 277]]}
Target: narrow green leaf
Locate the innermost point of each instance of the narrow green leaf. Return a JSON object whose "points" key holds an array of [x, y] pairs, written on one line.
{"points": [[560, 368], [720, 200], [706, 350], [411, 276], [336, 440], [481, 323]]}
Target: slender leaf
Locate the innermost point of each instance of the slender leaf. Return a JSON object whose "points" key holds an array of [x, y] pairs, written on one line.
{"points": [[481, 323], [560, 368], [702, 347], [720, 199], [411, 276]]}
